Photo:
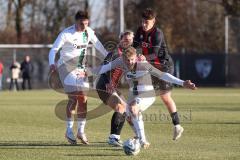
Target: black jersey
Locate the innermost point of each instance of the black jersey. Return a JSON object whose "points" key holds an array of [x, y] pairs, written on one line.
{"points": [[112, 76], [153, 46]]}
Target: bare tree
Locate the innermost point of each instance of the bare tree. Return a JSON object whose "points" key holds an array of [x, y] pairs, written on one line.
{"points": [[232, 7], [9, 16], [19, 6]]}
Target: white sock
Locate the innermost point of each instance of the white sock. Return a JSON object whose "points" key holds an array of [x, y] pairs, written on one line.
{"points": [[69, 124], [139, 125], [81, 125], [135, 130], [177, 126], [114, 136]]}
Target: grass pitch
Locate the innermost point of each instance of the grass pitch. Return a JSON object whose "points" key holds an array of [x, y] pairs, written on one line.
{"points": [[29, 128]]}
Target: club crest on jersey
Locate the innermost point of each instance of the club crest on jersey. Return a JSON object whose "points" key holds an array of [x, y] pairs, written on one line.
{"points": [[203, 67]]}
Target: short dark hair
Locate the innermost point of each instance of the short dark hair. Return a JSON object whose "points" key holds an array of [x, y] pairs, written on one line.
{"points": [[81, 15], [148, 14]]}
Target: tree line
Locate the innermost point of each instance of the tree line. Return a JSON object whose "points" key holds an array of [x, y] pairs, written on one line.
{"points": [[188, 25]]}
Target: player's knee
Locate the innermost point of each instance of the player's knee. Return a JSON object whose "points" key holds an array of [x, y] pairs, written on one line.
{"points": [[120, 108], [166, 97], [134, 111]]}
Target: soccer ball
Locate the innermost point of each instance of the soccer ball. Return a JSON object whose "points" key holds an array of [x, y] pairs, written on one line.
{"points": [[131, 147]]}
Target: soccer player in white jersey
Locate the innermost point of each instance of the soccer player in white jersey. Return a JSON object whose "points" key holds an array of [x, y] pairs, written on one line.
{"points": [[141, 92], [72, 44]]}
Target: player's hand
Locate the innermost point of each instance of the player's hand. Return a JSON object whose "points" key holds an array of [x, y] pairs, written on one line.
{"points": [[52, 68], [188, 84], [110, 88], [141, 58]]}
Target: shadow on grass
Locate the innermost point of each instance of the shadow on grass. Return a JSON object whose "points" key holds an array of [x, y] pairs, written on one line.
{"points": [[53, 144], [94, 155]]}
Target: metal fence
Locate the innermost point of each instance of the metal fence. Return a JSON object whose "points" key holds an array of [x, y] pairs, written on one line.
{"points": [[204, 69]]}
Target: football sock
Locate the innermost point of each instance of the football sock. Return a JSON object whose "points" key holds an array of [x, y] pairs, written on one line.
{"points": [[117, 123], [69, 123], [122, 121], [81, 125], [175, 118], [139, 125], [134, 130]]}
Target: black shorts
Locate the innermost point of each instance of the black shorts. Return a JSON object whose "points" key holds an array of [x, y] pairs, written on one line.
{"points": [[161, 86], [101, 90]]}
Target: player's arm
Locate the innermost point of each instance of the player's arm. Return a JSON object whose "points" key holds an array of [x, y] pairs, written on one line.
{"points": [[56, 46], [159, 45], [97, 44], [159, 49], [104, 68], [136, 39], [168, 77]]}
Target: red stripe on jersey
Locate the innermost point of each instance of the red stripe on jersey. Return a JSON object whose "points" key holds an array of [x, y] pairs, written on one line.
{"points": [[116, 73], [115, 76]]}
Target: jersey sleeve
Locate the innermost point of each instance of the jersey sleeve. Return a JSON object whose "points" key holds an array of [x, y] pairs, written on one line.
{"points": [[162, 75], [105, 68], [159, 45], [56, 46], [97, 44], [137, 40]]}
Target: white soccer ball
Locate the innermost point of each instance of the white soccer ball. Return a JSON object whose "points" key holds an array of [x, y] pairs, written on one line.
{"points": [[131, 147]]}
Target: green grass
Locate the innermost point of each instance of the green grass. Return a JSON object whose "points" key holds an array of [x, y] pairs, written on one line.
{"points": [[29, 128]]}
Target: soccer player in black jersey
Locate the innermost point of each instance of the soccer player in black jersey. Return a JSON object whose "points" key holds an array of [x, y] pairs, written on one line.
{"points": [[109, 95], [151, 40]]}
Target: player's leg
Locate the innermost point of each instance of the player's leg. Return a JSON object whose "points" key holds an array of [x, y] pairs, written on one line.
{"points": [[138, 123], [164, 89], [130, 122], [70, 110], [136, 108], [171, 106], [118, 119], [81, 117]]}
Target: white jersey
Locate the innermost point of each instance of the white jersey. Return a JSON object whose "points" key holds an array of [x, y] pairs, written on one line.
{"points": [[139, 79], [73, 50], [74, 44]]}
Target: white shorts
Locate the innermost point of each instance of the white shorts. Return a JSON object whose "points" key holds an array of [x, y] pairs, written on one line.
{"points": [[74, 81], [142, 104]]}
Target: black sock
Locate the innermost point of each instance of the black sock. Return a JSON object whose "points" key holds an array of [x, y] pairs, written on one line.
{"points": [[175, 118], [122, 121], [117, 123]]}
